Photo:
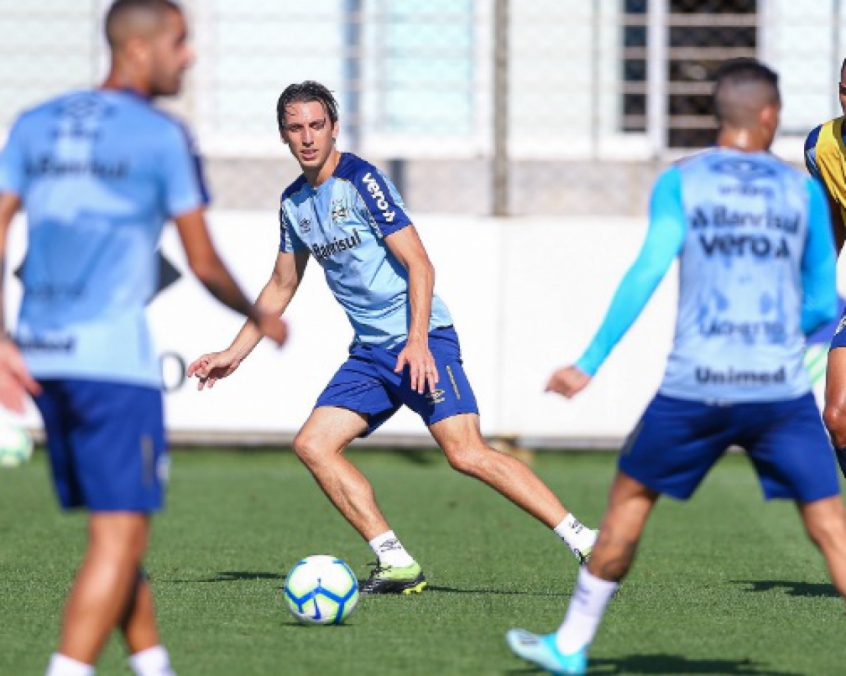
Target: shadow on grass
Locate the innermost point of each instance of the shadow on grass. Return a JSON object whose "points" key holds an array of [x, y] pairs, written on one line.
{"points": [[241, 575], [672, 664], [497, 592], [806, 589], [234, 576]]}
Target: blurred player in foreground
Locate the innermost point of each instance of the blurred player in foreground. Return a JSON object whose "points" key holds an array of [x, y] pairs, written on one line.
{"points": [[825, 157], [347, 215], [98, 173], [757, 270]]}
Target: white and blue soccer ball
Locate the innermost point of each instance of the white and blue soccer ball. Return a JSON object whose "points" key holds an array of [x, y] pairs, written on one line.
{"points": [[321, 589], [15, 445]]}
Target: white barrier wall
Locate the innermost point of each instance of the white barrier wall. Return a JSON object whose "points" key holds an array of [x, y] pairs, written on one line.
{"points": [[526, 295]]}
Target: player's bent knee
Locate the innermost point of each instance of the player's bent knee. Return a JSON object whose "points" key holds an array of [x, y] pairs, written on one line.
{"points": [[308, 448], [834, 416], [825, 523], [467, 460]]}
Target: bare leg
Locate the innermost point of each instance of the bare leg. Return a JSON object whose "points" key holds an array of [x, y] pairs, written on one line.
{"points": [[835, 403], [104, 584], [629, 506], [825, 522], [139, 622], [467, 452], [320, 445]]}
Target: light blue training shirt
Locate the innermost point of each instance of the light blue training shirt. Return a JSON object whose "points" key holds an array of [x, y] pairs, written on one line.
{"points": [[99, 172], [757, 274], [343, 223]]}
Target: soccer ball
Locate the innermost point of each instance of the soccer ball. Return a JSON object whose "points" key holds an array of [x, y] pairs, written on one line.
{"points": [[15, 445], [321, 589]]}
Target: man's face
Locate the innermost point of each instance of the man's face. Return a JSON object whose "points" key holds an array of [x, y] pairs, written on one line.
{"points": [[842, 89], [170, 56], [309, 133]]}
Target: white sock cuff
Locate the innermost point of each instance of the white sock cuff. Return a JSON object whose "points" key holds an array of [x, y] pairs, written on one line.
{"points": [[593, 593], [569, 526], [151, 662], [389, 550], [379, 540], [62, 665]]}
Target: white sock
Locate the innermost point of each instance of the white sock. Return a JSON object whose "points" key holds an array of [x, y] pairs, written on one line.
{"points": [[390, 550], [585, 612], [61, 665], [151, 662], [577, 536]]}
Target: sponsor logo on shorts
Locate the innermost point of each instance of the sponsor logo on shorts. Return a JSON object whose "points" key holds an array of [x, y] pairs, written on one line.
{"points": [[436, 397]]}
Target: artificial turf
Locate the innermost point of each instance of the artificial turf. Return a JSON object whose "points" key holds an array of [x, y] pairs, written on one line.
{"points": [[723, 585]]}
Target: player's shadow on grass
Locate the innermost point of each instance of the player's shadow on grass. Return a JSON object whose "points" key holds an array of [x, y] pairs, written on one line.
{"points": [[673, 664], [805, 589], [497, 592], [235, 576]]}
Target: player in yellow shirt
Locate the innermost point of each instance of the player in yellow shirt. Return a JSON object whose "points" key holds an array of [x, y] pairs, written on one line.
{"points": [[825, 157]]}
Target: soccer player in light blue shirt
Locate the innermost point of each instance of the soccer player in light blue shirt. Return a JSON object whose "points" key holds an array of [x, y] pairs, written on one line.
{"points": [[348, 216], [98, 173], [757, 274]]}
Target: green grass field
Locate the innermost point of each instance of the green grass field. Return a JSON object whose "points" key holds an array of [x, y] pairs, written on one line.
{"points": [[724, 585]]}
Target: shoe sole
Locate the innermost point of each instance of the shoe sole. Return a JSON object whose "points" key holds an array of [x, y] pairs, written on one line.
{"points": [[410, 587]]}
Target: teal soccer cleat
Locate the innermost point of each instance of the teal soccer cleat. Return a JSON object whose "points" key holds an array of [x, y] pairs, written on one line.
{"points": [[541, 650]]}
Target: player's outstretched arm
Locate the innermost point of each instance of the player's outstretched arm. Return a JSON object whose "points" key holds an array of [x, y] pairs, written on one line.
{"points": [[15, 380], [272, 301], [213, 274], [406, 245], [819, 265], [664, 239]]}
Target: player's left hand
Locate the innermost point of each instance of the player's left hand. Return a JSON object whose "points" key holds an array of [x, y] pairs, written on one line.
{"points": [[15, 380], [421, 366], [568, 381]]}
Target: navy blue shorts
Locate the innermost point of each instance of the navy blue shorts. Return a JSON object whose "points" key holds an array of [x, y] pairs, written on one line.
{"points": [[366, 383], [677, 442], [106, 443], [839, 337]]}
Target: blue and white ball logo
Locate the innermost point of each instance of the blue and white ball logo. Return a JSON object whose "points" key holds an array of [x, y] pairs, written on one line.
{"points": [[321, 589]]}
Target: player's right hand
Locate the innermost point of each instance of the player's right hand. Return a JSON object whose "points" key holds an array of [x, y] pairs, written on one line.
{"points": [[568, 381], [15, 380], [274, 328], [212, 367]]}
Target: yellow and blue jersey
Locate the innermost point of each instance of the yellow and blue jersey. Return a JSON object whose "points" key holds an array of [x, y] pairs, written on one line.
{"points": [[825, 157]]}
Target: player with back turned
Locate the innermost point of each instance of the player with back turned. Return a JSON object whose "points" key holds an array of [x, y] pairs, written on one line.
{"points": [[348, 216], [98, 173], [757, 268]]}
